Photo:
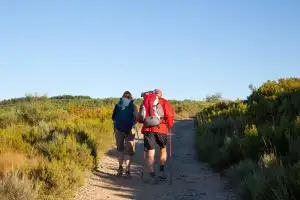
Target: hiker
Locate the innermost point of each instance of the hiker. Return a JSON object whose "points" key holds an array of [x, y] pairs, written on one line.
{"points": [[124, 116], [156, 132]]}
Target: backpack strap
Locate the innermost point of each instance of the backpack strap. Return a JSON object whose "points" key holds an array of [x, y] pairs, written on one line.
{"points": [[131, 106]]}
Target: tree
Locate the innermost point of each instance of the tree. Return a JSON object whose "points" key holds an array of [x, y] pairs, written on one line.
{"points": [[251, 87], [214, 97]]}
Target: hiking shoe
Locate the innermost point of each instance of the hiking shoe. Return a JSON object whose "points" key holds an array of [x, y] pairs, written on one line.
{"points": [[120, 171], [162, 176], [128, 175]]}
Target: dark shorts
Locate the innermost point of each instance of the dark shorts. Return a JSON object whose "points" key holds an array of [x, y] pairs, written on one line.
{"points": [[151, 140]]}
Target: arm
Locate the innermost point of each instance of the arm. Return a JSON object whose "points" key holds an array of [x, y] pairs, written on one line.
{"points": [[114, 113], [169, 114]]}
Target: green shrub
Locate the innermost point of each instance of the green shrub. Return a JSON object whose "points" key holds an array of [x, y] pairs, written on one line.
{"points": [[262, 135], [240, 171], [56, 179], [206, 144], [62, 137], [259, 183], [50, 132], [293, 176]]}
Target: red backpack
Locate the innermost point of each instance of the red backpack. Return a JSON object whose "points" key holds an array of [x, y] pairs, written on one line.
{"points": [[151, 111]]}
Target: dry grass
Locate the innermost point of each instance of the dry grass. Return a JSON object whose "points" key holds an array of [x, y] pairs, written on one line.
{"points": [[11, 161], [13, 186]]}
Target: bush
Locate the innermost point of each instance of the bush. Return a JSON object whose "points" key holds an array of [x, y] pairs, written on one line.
{"points": [[62, 139], [53, 141], [16, 187], [56, 179], [259, 182], [256, 141], [239, 172]]}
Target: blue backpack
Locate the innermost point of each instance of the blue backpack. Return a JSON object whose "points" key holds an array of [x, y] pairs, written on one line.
{"points": [[124, 119]]}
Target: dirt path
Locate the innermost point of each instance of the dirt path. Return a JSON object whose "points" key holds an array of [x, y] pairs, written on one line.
{"points": [[191, 179]]}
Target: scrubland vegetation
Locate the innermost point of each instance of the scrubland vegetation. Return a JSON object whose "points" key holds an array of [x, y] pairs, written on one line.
{"points": [[47, 144], [256, 142]]}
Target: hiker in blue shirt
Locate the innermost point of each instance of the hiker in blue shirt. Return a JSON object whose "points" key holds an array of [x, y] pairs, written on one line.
{"points": [[124, 116]]}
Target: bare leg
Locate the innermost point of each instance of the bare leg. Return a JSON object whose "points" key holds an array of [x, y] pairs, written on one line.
{"points": [[119, 144], [121, 158], [129, 152], [162, 161], [163, 156], [128, 159], [151, 154]]}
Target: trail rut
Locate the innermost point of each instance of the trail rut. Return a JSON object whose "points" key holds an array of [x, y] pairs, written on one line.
{"points": [[192, 180]]}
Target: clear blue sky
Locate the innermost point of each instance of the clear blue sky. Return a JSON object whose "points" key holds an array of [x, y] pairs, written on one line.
{"points": [[186, 48]]}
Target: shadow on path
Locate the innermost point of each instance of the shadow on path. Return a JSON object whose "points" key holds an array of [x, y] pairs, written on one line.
{"points": [[191, 179]]}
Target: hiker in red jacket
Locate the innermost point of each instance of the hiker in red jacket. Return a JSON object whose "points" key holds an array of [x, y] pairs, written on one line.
{"points": [[157, 134]]}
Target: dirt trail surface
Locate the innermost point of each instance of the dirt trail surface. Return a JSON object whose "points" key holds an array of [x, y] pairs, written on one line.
{"points": [[191, 179]]}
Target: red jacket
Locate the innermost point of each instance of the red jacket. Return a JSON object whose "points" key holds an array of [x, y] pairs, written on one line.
{"points": [[168, 121]]}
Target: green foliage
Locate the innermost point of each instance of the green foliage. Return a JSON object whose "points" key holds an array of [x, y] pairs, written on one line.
{"points": [[274, 100], [187, 108], [214, 98], [63, 137], [256, 141], [57, 180], [71, 97], [53, 141]]}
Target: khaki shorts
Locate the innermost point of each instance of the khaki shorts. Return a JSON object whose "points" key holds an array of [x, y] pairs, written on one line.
{"points": [[125, 142]]}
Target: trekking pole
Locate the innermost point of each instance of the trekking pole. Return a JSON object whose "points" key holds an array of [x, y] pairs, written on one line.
{"points": [[114, 129], [144, 164], [170, 152]]}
